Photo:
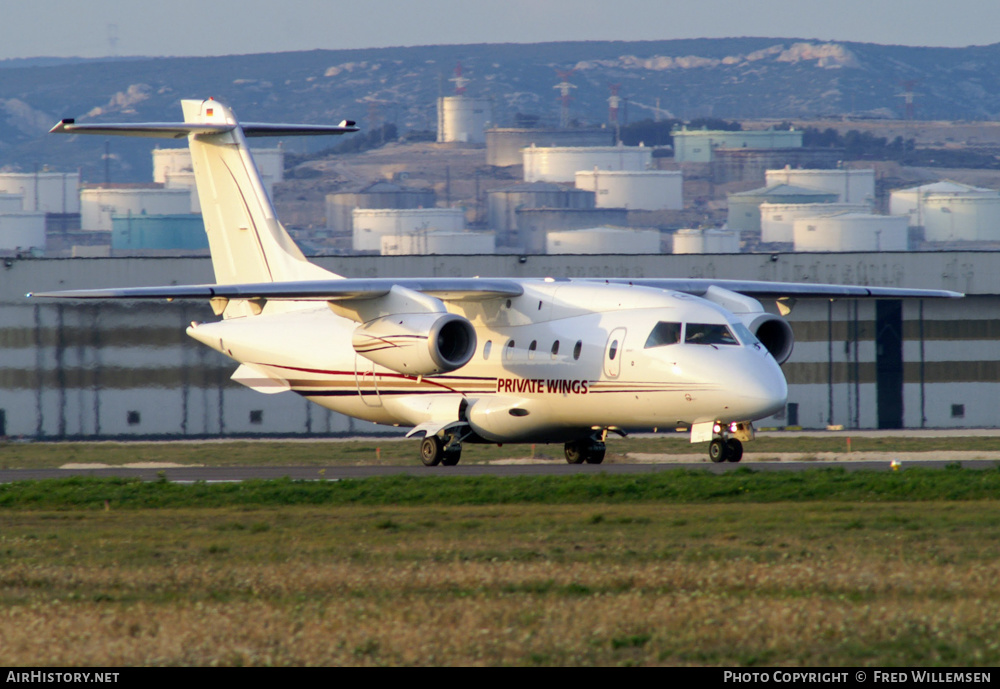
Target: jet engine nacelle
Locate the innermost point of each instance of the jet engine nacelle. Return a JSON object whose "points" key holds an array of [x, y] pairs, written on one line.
{"points": [[773, 332], [418, 344]]}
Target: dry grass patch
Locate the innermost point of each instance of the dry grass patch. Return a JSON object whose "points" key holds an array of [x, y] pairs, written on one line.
{"points": [[807, 584]]}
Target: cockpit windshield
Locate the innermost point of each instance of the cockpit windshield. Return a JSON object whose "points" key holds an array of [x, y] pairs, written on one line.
{"points": [[709, 334], [669, 333], [664, 333], [742, 332]]}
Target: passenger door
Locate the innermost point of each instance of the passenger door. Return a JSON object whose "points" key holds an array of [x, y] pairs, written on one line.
{"points": [[366, 381], [613, 353]]}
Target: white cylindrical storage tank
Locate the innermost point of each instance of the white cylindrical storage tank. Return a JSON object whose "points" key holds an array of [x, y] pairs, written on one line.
{"points": [[168, 161], [270, 163], [184, 180], [851, 186], [463, 120], [777, 220], [503, 145], [371, 224], [340, 205], [645, 190], [710, 241], [502, 205], [11, 203], [909, 201], [561, 164], [744, 206], [603, 240], [949, 211], [22, 230], [851, 232], [98, 205], [961, 218], [46, 192], [425, 243]]}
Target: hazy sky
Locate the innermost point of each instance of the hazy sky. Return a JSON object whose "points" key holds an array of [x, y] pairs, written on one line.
{"points": [[94, 28]]}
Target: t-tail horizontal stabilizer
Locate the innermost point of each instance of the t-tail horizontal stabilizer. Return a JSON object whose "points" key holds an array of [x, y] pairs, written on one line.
{"points": [[247, 242], [179, 130]]}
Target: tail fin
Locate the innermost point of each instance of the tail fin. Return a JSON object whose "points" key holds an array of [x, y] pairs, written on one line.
{"points": [[247, 242]]}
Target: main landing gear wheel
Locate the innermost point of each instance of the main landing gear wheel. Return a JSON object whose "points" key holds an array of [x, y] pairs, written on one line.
{"points": [[434, 451], [431, 451], [589, 451], [595, 454], [451, 457], [574, 452]]}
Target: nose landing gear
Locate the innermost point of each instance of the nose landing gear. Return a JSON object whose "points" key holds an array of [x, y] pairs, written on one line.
{"points": [[727, 445], [725, 450]]}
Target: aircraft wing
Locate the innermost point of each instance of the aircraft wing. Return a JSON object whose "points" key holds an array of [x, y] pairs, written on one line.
{"points": [[783, 290], [467, 289], [346, 289]]}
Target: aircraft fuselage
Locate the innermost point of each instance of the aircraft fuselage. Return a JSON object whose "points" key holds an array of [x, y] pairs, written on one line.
{"points": [[568, 357]]}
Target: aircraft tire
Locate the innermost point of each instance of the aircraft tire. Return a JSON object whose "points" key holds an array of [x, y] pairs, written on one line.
{"points": [[734, 450], [450, 459], [595, 453], [574, 452], [431, 451], [718, 452]]}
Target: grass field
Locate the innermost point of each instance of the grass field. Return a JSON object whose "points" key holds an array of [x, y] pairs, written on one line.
{"points": [[840, 584], [824, 567]]}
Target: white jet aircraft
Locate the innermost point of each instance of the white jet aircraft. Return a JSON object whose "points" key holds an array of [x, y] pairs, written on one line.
{"points": [[472, 359]]}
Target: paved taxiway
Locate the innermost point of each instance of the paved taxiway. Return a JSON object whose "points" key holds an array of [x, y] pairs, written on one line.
{"points": [[554, 468], [633, 463]]}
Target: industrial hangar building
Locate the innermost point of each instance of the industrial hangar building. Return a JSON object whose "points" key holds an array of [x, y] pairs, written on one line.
{"points": [[127, 369]]}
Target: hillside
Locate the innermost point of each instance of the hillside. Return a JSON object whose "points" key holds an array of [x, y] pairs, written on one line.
{"points": [[739, 78]]}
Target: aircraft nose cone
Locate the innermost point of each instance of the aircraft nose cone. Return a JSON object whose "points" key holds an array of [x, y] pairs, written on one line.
{"points": [[759, 391]]}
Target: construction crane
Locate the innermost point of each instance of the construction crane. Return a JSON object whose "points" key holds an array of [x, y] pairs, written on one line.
{"points": [[907, 95], [657, 110], [459, 81], [613, 102]]}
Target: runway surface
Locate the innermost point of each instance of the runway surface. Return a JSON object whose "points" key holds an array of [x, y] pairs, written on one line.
{"points": [[631, 463], [553, 468]]}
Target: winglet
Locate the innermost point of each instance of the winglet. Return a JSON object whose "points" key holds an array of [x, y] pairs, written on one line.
{"points": [[60, 127]]}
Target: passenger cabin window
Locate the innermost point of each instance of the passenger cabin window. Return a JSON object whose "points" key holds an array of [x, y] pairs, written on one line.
{"points": [[577, 349], [555, 349], [709, 334], [664, 333], [486, 349], [531, 349], [613, 350], [509, 350]]}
